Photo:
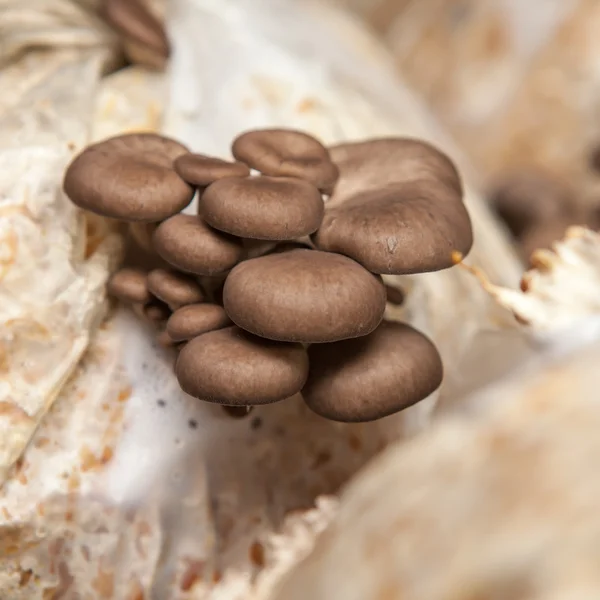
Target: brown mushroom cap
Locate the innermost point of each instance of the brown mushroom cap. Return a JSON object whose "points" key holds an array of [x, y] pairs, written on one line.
{"points": [[263, 208], [175, 289], [157, 312], [129, 177], [304, 296], [133, 19], [527, 197], [233, 367], [129, 285], [201, 170], [193, 320], [374, 376], [287, 153], [397, 208], [189, 244]]}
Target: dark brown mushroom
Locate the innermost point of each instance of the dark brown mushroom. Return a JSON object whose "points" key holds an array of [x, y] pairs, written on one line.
{"points": [[263, 208], [129, 177], [287, 153], [130, 286], [233, 367], [193, 320], [157, 313], [372, 377], [525, 198], [395, 295], [145, 38], [189, 244], [175, 289], [397, 208], [201, 170], [304, 296]]}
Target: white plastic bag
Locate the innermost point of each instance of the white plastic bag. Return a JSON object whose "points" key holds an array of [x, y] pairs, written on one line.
{"points": [[163, 494]]}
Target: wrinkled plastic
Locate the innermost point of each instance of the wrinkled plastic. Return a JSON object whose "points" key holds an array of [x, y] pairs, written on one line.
{"points": [[130, 486]]}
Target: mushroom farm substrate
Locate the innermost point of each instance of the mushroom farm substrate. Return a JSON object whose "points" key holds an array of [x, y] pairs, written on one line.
{"points": [[117, 483]]}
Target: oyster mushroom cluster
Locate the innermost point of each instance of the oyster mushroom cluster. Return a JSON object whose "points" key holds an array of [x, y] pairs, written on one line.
{"points": [[274, 287]]}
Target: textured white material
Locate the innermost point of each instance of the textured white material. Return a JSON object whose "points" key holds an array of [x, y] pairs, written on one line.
{"points": [[148, 488]]}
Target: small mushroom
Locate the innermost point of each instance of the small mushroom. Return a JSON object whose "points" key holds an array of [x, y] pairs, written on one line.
{"points": [[129, 177], [263, 208], [157, 313], [397, 208], [525, 198], [193, 320], [395, 295], [174, 289], [304, 296], [189, 244], [233, 367], [201, 170], [372, 377], [287, 153], [145, 38], [130, 286]]}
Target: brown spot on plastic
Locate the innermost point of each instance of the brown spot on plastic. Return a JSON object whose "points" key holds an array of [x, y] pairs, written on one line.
{"points": [[354, 442], [257, 554], [124, 394], [74, 481], [192, 574], [106, 456], [104, 583], [306, 105], [136, 592], [321, 459]]}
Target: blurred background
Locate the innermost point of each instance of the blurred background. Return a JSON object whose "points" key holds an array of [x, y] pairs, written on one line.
{"points": [[517, 83]]}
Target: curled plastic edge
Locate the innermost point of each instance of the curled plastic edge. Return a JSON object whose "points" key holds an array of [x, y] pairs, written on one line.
{"points": [[559, 297]]}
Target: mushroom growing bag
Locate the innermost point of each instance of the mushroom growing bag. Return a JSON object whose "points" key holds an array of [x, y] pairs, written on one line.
{"points": [[118, 484]]}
